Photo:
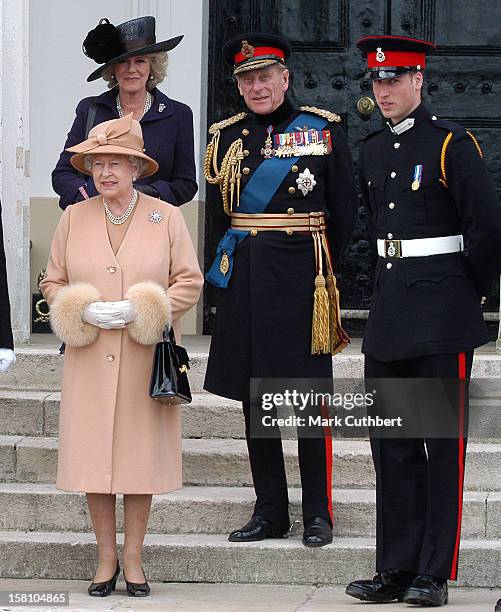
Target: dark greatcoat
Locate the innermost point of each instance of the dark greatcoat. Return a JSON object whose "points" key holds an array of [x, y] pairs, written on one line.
{"points": [[429, 305], [168, 139], [6, 340], [263, 321]]}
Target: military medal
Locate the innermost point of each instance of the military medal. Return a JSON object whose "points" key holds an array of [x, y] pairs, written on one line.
{"points": [[306, 181], [267, 150], [418, 174]]}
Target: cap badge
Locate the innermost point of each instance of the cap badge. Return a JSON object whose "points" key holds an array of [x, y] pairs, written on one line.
{"points": [[380, 56], [247, 50]]}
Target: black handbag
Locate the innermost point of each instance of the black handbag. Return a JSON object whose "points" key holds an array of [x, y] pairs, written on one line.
{"points": [[169, 378]]}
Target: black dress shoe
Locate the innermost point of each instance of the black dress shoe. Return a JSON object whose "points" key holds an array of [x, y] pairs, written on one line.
{"points": [[427, 591], [137, 589], [386, 586], [498, 606], [103, 589], [317, 532], [258, 528]]}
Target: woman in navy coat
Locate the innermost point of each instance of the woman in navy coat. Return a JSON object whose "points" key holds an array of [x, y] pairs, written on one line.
{"points": [[133, 63]]}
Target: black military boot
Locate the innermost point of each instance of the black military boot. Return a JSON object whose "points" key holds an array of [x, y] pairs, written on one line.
{"points": [[386, 586], [258, 528], [427, 591]]}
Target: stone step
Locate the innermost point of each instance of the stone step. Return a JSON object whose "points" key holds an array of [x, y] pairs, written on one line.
{"points": [[216, 462], [211, 510], [40, 367], [211, 558], [36, 413]]}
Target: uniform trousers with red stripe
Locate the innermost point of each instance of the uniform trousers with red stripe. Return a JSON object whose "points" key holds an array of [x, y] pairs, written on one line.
{"points": [[269, 478], [419, 481]]}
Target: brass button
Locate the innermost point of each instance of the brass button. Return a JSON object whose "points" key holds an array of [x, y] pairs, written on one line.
{"points": [[253, 232], [290, 211], [289, 231], [389, 266], [393, 174], [396, 145], [391, 205], [245, 132], [246, 152], [291, 190], [294, 168], [111, 269], [390, 236], [246, 170], [110, 357]]}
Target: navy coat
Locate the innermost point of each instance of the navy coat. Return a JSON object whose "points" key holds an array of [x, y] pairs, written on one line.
{"points": [[431, 304], [263, 320], [5, 326], [168, 139]]}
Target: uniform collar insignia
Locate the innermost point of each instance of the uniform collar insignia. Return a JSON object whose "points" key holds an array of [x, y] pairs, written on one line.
{"points": [[401, 127]]}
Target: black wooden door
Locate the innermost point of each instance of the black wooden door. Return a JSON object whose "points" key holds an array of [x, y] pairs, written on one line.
{"points": [[327, 70]]}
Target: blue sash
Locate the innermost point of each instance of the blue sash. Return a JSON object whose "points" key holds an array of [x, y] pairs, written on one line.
{"points": [[255, 198]]}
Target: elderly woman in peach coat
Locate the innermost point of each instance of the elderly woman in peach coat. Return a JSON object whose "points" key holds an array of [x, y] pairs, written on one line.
{"points": [[122, 266]]}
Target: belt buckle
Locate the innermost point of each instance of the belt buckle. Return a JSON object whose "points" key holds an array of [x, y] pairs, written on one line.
{"points": [[392, 248]]}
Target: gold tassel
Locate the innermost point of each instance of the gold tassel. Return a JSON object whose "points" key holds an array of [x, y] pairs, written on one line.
{"points": [[333, 293], [320, 336]]}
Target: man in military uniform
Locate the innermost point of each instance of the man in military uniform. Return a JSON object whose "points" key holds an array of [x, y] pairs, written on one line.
{"points": [[7, 356], [285, 181], [434, 215]]}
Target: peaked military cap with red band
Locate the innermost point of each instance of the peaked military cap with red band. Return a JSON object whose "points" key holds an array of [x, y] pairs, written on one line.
{"points": [[391, 56], [251, 51]]}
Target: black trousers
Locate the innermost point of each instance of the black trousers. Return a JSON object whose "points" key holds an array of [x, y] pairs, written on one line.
{"points": [[419, 481], [269, 478]]}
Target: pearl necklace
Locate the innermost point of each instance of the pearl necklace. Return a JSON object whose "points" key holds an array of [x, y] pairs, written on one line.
{"points": [[147, 105], [124, 216]]}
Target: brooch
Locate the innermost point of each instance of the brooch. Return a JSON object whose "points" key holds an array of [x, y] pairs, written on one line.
{"points": [[156, 216], [161, 107]]}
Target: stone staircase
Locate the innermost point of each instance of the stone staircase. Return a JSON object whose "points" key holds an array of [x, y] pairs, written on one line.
{"points": [[46, 533]]}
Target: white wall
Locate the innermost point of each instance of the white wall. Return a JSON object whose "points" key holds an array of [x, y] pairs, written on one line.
{"points": [[59, 69]]}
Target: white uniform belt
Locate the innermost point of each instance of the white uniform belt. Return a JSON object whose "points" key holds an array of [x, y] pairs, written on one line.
{"points": [[419, 246]]}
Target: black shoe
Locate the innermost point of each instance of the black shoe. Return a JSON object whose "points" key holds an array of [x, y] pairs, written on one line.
{"points": [[103, 589], [498, 606], [386, 586], [427, 591], [137, 589], [317, 532], [258, 528]]}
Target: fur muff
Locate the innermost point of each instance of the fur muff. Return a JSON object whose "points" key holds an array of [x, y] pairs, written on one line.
{"points": [[66, 312], [152, 310]]}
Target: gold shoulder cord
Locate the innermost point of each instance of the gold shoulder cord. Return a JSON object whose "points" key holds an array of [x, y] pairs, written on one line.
{"points": [[447, 140], [229, 176], [322, 113]]}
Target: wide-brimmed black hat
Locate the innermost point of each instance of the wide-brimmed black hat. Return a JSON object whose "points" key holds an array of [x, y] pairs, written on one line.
{"points": [[107, 44], [254, 50]]}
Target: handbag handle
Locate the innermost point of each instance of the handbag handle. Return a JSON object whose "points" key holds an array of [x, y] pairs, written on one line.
{"points": [[168, 335]]}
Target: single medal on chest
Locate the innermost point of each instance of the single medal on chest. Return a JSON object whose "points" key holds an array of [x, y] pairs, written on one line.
{"points": [[267, 150]]}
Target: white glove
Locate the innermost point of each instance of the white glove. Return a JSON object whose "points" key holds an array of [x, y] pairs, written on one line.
{"points": [[7, 359], [107, 315], [126, 309]]}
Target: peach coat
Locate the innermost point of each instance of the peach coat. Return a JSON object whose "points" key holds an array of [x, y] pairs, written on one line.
{"points": [[113, 437]]}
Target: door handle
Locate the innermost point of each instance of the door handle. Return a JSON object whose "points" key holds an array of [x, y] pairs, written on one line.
{"points": [[365, 105]]}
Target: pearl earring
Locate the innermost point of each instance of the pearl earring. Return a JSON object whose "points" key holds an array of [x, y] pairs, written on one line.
{"points": [[133, 179], [151, 77]]}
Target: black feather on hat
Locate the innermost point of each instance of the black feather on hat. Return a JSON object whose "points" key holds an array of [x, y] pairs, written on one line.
{"points": [[103, 43]]}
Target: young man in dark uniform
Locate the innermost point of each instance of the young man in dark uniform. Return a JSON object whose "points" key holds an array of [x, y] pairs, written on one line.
{"points": [[433, 211], [284, 180], [7, 356]]}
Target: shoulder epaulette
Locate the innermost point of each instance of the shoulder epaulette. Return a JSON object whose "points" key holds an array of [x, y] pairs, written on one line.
{"points": [[226, 122], [322, 113]]}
